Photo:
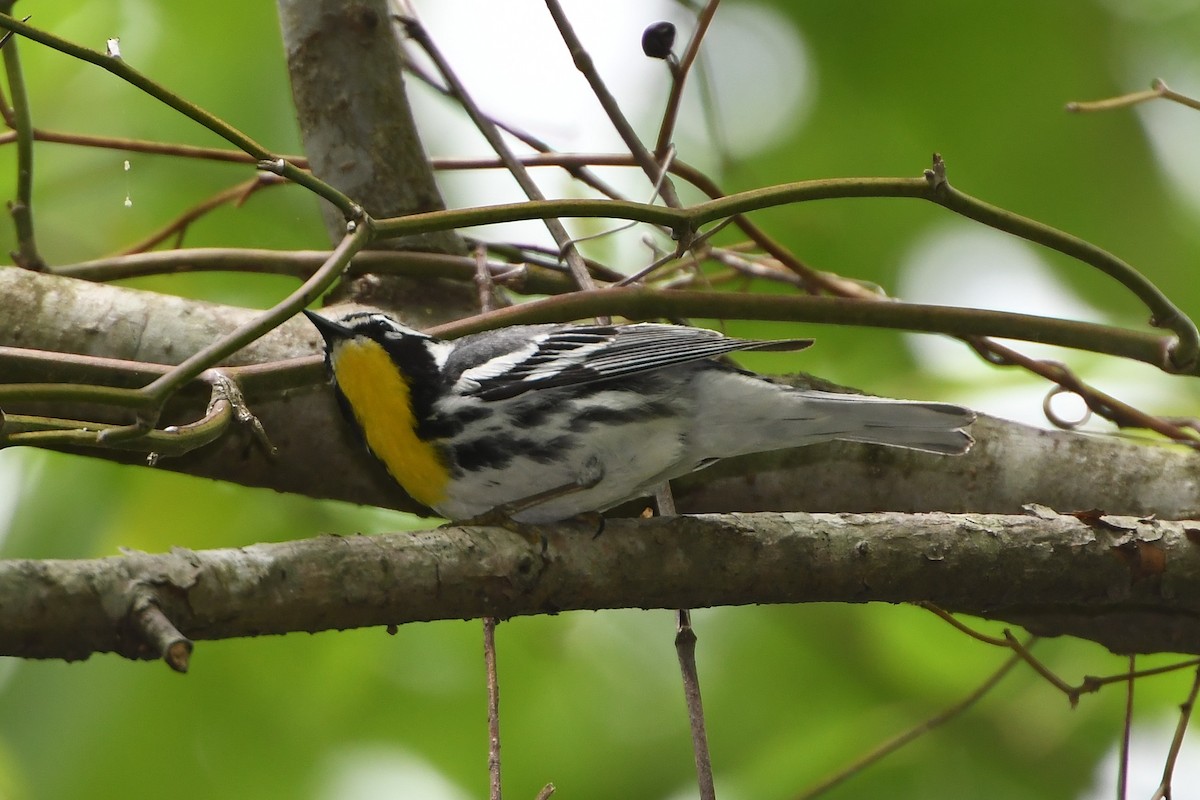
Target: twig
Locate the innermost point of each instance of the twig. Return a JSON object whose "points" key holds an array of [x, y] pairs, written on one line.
{"points": [[894, 744], [1038, 667], [548, 258], [226, 392], [812, 279], [21, 208], [583, 62], [236, 194], [1092, 684], [534, 279], [483, 280], [1164, 313], [685, 649], [955, 622], [666, 165], [641, 303], [493, 709], [156, 392], [1160, 86], [1185, 714], [558, 232], [578, 170], [160, 634], [1111, 103], [145, 146], [697, 247], [1120, 413], [1163, 791], [1182, 356], [1123, 764], [57, 432], [1158, 89], [754, 267], [266, 159], [226, 405], [679, 76]]}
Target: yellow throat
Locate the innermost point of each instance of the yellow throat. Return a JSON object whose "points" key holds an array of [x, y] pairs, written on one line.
{"points": [[379, 396]]}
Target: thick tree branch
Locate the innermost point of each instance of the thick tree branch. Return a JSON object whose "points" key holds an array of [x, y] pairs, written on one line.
{"points": [[1012, 465], [1131, 584], [359, 133]]}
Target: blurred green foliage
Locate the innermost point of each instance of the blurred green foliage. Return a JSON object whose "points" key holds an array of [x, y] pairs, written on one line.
{"points": [[591, 701]]}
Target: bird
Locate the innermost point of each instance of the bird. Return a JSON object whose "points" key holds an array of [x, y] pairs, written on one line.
{"points": [[543, 423]]}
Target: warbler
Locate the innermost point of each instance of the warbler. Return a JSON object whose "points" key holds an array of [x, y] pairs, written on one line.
{"points": [[551, 421]]}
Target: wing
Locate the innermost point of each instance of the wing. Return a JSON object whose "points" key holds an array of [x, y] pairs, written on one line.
{"points": [[567, 355]]}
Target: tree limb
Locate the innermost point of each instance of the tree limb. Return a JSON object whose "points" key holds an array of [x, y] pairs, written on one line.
{"points": [[1131, 584], [1011, 465]]}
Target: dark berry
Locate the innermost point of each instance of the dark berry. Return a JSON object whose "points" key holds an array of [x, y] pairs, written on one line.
{"points": [[658, 39]]}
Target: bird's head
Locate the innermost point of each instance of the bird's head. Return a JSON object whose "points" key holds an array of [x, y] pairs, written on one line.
{"points": [[373, 325], [374, 341]]}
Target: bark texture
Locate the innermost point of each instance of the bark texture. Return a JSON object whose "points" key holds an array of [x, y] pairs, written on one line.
{"points": [[1131, 584]]}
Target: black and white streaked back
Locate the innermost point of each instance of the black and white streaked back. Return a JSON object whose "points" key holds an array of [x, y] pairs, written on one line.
{"points": [[544, 356]]}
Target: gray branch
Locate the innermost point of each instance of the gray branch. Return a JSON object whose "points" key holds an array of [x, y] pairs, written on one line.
{"points": [[1131, 584], [1011, 465], [346, 69]]}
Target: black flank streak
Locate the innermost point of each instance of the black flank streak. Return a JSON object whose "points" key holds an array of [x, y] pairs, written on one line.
{"points": [[473, 414], [497, 452], [608, 416], [532, 412], [444, 426], [487, 452]]}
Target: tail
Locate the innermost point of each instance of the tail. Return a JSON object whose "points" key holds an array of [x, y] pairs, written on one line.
{"points": [[911, 424], [744, 414]]}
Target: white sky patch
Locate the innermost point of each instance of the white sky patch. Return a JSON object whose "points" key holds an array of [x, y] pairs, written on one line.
{"points": [[18, 468], [1147, 755], [758, 64], [762, 79], [982, 268], [1171, 129], [371, 771]]}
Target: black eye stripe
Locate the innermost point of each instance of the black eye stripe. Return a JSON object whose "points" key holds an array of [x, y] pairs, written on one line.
{"points": [[379, 326]]}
